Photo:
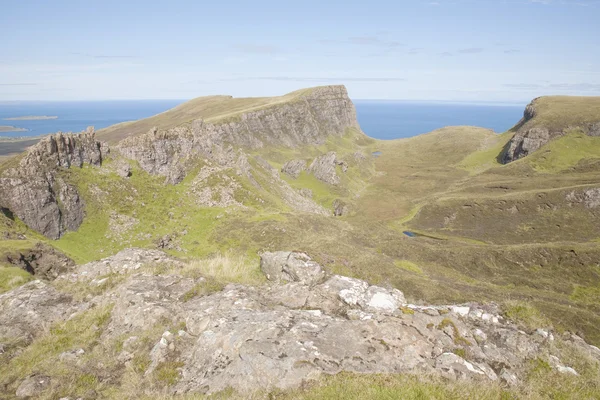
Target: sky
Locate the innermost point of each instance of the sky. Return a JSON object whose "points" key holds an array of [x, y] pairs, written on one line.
{"points": [[440, 50]]}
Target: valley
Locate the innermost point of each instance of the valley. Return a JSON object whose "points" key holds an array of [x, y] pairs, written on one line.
{"points": [[509, 222]]}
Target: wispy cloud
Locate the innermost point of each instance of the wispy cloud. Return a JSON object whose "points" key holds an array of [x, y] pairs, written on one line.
{"points": [[512, 51], [557, 87], [18, 84], [471, 50], [446, 54], [257, 49], [103, 55], [316, 79], [373, 41]]}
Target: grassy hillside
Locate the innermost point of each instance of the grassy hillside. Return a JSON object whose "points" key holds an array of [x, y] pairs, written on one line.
{"points": [[485, 231], [210, 108], [560, 112]]}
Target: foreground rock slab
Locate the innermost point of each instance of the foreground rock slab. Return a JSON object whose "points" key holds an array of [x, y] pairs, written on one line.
{"points": [[302, 325]]}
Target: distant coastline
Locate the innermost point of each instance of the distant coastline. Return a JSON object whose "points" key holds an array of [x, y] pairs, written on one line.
{"points": [[31, 118], [8, 128]]}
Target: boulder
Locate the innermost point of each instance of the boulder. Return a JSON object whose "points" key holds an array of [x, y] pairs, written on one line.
{"points": [[324, 168], [33, 386], [293, 168], [291, 267], [340, 208]]}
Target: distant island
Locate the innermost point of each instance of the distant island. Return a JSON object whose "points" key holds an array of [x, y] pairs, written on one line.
{"points": [[8, 128], [30, 118]]}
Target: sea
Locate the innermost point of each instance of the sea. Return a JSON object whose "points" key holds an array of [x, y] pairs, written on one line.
{"points": [[378, 118]]}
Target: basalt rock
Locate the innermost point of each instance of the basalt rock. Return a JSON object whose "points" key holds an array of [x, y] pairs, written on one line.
{"points": [[528, 139], [293, 168], [307, 120], [324, 168], [36, 193]]}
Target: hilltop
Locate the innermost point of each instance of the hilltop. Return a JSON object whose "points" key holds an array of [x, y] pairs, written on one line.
{"points": [[439, 229]]}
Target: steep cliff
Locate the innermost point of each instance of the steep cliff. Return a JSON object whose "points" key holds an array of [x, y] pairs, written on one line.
{"points": [[547, 118], [307, 117], [33, 190]]}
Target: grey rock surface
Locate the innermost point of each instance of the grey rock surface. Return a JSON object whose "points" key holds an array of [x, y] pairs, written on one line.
{"points": [[294, 168], [316, 115], [27, 311], [35, 193], [33, 386], [340, 208], [528, 139], [324, 168], [299, 327]]}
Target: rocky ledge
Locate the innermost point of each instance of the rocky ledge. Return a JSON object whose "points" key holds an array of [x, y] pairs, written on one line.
{"points": [[304, 324], [529, 139], [36, 193], [307, 119]]}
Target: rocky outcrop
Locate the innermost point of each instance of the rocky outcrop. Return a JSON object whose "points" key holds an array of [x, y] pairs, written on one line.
{"points": [[529, 137], [303, 325], [35, 191], [324, 168], [309, 118], [294, 168], [340, 208]]}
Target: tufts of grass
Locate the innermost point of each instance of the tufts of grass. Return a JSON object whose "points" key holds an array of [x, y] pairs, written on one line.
{"points": [[409, 266], [82, 331], [12, 277], [525, 315], [457, 337], [204, 288], [586, 295], [167, 373]]}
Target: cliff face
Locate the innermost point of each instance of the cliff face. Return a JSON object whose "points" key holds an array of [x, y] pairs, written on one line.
{"points": [[547, 118], [308, 118], [34, 191]]}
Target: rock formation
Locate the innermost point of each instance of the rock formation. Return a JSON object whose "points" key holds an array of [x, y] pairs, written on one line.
{"points": [[35, 191], [529, 138], [305, 324], [294, 168], [324, 168], [308, 119]]}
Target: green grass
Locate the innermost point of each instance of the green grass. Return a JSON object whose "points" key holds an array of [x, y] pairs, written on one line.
{"points": [[409, 266], [559, 112], [586, 295], [82, 331], [564, 153], [486, 158], [525, 314], [156, 208], [12, 277]]}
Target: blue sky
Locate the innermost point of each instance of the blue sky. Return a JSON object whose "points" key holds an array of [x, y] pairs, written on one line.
{"points": [[454, 50]]}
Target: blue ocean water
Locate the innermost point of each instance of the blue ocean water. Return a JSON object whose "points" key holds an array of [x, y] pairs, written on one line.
{"points": [[400, 119], [76, 116], [378, 119]]}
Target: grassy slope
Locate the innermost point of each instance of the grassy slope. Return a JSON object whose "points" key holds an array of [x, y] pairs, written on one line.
{"points": [[559, 112], [210, 108]]}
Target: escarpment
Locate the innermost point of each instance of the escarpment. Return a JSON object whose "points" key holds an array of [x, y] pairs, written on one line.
{"points": [[306, 118], [547, 118], [34, 190]]}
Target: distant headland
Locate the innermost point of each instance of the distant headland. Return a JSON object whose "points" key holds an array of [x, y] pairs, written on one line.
{"points": [[9, 128], [30, 118]]}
